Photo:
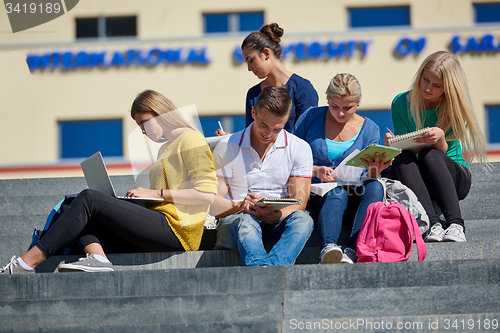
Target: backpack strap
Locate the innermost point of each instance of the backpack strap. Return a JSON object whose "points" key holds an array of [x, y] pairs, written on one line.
{"points": [[421, 247], [52, 214], [413, 225]]}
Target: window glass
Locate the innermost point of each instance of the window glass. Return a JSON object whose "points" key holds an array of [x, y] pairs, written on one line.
{"points": [[233, 22], [86, 28], [493, 125], [121, 26], [251, 21], [216, 23], [79, 139], [487, 12], [379, 16], [106, 27]]}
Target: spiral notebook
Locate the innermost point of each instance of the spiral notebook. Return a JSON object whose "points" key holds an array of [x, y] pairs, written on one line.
{"points": [[279, 204], [405, 141]]}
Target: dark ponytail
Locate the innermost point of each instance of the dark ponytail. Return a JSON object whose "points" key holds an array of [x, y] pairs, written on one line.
{"points": [[268, 36]]}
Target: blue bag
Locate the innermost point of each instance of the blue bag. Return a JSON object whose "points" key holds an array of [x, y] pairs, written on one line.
{"points": [[55, 213]]}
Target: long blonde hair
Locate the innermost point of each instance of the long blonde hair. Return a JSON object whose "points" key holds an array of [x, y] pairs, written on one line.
{"points": [[455, 109], [157, 104]]}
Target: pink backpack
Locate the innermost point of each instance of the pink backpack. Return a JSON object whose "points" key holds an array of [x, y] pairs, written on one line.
{"points": [[387, 234]]}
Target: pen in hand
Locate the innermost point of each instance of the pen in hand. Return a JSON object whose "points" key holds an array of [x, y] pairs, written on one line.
{"points": [[220, 126], [390, 131]]}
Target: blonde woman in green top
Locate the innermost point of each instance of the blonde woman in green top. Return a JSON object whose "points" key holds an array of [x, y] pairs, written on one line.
{"points": [[438, 99]]}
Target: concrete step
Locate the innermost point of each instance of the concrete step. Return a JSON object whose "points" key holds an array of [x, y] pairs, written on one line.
{"points": [[236, 326], [213, 280], [69, 185], [474, 322], [57, 186], [259, 312], [11, 225], [28, 205], [482, 243], [472, 208], [422, 301], [475, 250], [209, 291], [484, 185], [253, 299], [475, 230]]}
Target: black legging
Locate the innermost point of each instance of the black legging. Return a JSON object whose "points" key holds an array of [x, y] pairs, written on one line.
{"points": [[94, 216], [436, 177]]}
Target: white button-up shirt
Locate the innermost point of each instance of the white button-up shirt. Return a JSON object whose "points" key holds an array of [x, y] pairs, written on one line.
{"points": [[237, 162]]}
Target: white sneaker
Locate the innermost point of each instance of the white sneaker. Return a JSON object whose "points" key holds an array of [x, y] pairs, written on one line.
{"points": [[330, 254], [14, 267], [87, 264], [349, 256], [436, 233], [454, 233], [211, 222]]}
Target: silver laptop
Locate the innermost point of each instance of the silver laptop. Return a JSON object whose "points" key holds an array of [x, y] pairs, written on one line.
{"points": [[98, 179]]}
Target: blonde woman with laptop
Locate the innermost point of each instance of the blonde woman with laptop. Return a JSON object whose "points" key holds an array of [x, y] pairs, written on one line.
{"points": [[183, 176]]}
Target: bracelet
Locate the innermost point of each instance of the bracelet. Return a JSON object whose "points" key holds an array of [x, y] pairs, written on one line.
{"points": [[161, 193]]}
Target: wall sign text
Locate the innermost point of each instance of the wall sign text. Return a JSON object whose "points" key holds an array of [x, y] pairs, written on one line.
{"points": [[104, 59]]}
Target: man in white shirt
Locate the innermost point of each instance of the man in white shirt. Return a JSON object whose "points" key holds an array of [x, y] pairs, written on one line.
{"points": [[261, 161]]}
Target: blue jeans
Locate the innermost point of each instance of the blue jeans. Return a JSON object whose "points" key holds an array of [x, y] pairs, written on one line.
{"points": [[335, 204], [248, 235]]}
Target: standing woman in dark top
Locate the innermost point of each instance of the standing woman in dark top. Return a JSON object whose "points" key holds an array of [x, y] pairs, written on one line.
{"points": [[262, 53]]}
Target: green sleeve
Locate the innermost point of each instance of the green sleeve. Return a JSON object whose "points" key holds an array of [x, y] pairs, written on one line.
{"points": [[400, 114]]}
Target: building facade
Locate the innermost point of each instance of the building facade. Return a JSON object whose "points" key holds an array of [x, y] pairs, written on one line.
{"points": [[67, 85]]}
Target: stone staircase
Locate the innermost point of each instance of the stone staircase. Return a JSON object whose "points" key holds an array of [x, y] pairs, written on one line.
{"points": [[455, 289]]}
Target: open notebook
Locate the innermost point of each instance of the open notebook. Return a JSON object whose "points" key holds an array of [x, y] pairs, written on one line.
{"points": [[97, 178], [405, 141]]}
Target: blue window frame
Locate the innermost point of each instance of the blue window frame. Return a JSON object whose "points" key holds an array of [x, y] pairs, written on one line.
{"points": [[381, 117], [493, 123], [79, 139], [487, 12], [379, 16], [232, 22], [230, 124]]}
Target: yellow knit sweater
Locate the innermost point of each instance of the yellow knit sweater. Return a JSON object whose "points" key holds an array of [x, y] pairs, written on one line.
{"points": [[185, 163]]}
